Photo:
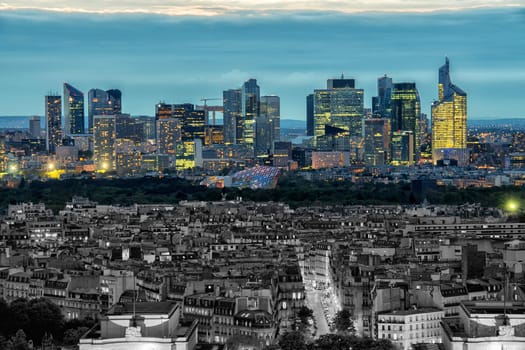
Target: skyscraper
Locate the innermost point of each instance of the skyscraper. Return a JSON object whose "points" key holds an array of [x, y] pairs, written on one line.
{"points": [[384, 93], [449, 120], [232, 112], [310, 115], [250, 108], [104, 142], [102, 102], [406, 113], [34, 127], [402, 148], [340, 107], [168, 135], [268, 126], [53, 122], [73, 110], [377, 141]]}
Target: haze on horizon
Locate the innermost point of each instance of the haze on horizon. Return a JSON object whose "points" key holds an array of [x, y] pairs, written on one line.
{"points": [[290, 49]]}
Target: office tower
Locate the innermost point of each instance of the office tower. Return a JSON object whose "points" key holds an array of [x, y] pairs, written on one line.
{"points": [[53, 122], [232, 112], [168, 135], [102, 102], [193, 124], [377, 141], [34, 127], [381, 102], [3, 158], [282, 154], [339, 107], [148, 128], [104, 142], [250, 109], [129, 128], [449, 121], [73, 110], [310, 115], [406, 112], [268, 125], [402, 148]]}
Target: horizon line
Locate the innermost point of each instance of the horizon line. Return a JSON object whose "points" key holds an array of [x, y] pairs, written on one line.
{"points": [[224, 11]]}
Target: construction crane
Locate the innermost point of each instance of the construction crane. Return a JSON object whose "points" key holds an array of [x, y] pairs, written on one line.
{"points": [[214, 109]]}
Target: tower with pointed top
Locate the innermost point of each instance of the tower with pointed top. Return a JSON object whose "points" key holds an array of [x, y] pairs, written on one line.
{"points": [[449, 121]]}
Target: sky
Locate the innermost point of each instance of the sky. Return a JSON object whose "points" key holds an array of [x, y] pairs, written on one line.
{"points": [[182, 51]]}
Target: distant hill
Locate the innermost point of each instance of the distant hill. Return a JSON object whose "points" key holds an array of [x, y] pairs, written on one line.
{"points": [[293, 124], [517, 123]]}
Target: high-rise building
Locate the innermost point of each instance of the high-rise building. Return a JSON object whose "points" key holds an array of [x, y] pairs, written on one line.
{"points": [[232, 112], [340, 107], [102, 102], [310, 115], [53, 122], [449, 120], [250, 109], [104, 142], [3, 158], [73, 110], [168, 135], [402, 148], [268, 126], [381, 102], [377, 141], [406, 112], [34, 127]]}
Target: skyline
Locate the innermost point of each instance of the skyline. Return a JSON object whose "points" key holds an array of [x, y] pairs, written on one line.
{"points": [[150, 59]]}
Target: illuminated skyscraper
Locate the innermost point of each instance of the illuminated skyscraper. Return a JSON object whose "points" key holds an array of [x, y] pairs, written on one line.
{"points": [[268, 126], [34, 127], [377, 141], [73, 110], [250, 108], [449, 120], [102, 102], [340, 107], [402, 148], [53, 122], [168, 135], [406, 113], [232, 112], [381, 103], [104, 142], [3, 158]]}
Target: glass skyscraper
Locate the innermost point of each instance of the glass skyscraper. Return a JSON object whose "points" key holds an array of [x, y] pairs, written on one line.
{"points": [[73, 110], [102, 102], [53, 122], [340, 107], [250, 109], [449, 120], [381, 103], [231, 100], [377, 141], [405, 113], [268, 126]]}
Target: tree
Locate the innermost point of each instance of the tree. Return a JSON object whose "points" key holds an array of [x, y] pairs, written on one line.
{"points": [[44, 317], [72, 335], [20, 341], [333, 342], [292, 341], [343, 322], [304, 314]]}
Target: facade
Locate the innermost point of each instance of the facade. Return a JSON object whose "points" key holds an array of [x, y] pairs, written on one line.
{"points": [[53, 122], [402, 148], [384, 90], [34, 127], [377, 141], [232, 113], [338, 115], [104, 143], [409, 327], [268, 125], [102, 102], [406, 113], [449, 121], [73, 110], [310, 115], [168, 135]]}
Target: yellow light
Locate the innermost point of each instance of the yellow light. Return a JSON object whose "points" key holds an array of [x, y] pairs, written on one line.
{"points": [[50, 166], [13, 168], [512, 205], [105, 165]]}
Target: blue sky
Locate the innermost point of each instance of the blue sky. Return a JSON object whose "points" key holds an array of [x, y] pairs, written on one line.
{"points": [[290, 47]]}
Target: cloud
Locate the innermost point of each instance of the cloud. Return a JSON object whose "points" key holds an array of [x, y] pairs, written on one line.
{"points": [[210, 8]]}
